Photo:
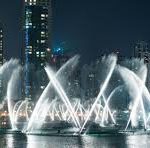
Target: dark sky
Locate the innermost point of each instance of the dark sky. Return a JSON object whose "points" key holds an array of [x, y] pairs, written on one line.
{"points": [[90, 26]]}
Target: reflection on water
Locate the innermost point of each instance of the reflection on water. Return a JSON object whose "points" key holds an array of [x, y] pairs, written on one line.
{"points": [[138, 141], [13, 141], [52, 142], [104, 142], [22, 141]]}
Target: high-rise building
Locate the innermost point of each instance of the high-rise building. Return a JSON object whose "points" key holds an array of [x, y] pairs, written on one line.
{"points": [[89, 81], [1, 59], [37, 14], [142, 51], [1, 44]]}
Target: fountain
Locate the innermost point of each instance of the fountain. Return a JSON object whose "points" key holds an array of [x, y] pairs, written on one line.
{"points": [[71, 115], [71, 65]]}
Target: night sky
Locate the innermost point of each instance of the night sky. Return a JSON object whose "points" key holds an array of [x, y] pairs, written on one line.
{"points": [[90, 27]]}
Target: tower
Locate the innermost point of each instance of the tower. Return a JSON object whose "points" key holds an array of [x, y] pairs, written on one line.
{"points": [[142, 51], [1, 44], [36, 33], [1, 59]]}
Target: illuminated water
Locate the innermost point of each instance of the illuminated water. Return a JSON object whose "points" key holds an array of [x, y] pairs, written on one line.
{"points": [[102, 110], [17, 141]]}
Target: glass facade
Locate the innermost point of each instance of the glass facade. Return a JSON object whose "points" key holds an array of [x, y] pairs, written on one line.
{"points": [[142, 51], [36, 13], [1, 45], [1, 59]]}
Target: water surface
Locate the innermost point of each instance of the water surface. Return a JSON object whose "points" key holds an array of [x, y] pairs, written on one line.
{"points": [[31, 141]]}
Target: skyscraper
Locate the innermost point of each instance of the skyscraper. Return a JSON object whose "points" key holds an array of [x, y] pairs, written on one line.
{"points": [[1, 44], [142, 51], [36, 32], [1, 59]]}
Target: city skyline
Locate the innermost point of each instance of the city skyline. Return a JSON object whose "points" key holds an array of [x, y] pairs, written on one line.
{"points": [[99, 27]]}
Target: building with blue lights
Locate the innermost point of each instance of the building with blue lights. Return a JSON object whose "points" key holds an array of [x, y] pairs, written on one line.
{"points": [[1, 45], [37, 16], [1, 57]]}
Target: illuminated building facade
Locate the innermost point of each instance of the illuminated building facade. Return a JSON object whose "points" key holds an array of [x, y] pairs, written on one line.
{"points": [[36, 33], [142, 51], [1, 58], [1, 44], [89, 81]]}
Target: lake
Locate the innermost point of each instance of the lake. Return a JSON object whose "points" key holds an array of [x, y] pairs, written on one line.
{"points": [[32, 141]]}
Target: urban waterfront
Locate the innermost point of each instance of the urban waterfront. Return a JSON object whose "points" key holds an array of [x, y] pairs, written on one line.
{"points": [[75, 75], [64, 121], [32, 141]]}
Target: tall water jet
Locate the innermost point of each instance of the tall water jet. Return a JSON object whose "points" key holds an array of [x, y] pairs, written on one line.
{"points": [[5, 73], [16, 106], [70, 64], [112, 60], [11, 89], [49, 108], [106, 107], [62, 95], [135, 90], [8, 67], [22, 109]]}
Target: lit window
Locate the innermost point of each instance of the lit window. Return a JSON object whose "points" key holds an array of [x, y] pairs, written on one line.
{"points": [[42, 52], [27, 27], [30, 24], [42, 87], [42, 41], [42, 15], [42, 34]]}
